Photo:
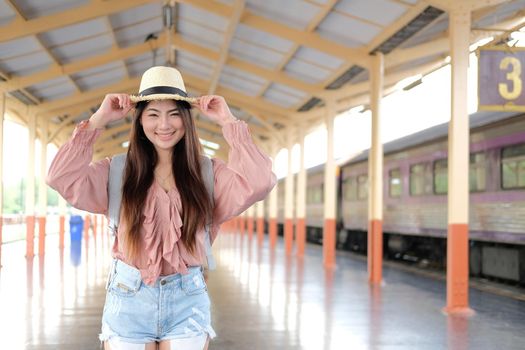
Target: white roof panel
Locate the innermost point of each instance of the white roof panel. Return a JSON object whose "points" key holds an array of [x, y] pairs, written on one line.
{"points": [[347, 31], [307, 71], [52, 89], [6, 13], [188, 56], [278, 98], [99, 69], [502, 12], [95, 77], [83, 49], [136, 34], [38, 8], [194, 64], [389, 12], [243, 82], [293, 13], [26, 64], [255, 54], [203, 35], [244, 75], [432, 31], [288, 91], [136, 15], [100, 78], [74, 33], [18, 47], [198, 16], [139, 64], [263, 39], [301, 76], [318, 58]]}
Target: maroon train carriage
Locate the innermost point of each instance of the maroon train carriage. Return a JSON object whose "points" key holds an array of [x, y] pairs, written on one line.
{"points": [[415, 197]]}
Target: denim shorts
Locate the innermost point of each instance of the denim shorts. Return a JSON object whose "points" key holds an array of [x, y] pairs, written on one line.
{"points": [[176, 307]]}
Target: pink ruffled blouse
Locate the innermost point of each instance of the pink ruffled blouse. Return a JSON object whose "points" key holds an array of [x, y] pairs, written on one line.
{"points": [[246, 179]]}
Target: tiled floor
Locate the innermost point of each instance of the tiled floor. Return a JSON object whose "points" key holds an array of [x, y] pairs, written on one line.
{"points": [[260, 300]]}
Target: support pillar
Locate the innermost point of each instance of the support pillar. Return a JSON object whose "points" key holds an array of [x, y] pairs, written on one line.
{"points": [[30, 189], [95, 224], [87, 225], [329, 191], [102, 227], [375, 175], [300, 225], [42, 189], [249, 219], [288, 199], [2, 117], [458, 166], [260, 222], [242, 222], [62, 221], [272, 207]]}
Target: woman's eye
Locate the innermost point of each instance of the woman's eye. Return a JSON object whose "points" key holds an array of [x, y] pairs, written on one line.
{"points": [[152, 115], [174, 115]]}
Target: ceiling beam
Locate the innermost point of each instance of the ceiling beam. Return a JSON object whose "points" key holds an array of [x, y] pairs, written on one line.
{"points": [[19, 28], [472, 5], [399, 23], [225, 48], [313, 40], [179, 42], [55, 71], [128, 84], [314, 23]]}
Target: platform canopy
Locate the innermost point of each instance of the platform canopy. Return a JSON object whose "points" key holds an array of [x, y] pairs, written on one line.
{"points": [[276, 62]]}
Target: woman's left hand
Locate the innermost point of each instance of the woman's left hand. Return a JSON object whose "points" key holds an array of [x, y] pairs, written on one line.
{"points": [[215, 108]]}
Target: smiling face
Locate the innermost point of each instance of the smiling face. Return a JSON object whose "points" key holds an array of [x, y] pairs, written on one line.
{"points": [[162, 124]]}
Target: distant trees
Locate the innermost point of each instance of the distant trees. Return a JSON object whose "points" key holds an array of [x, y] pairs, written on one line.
{"points": [[15, 197]]}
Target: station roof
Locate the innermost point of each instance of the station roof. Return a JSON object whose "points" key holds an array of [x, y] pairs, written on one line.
{"points": [[276, 62]]}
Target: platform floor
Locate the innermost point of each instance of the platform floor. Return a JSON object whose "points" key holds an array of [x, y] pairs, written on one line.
{"points": [[260, 300]]}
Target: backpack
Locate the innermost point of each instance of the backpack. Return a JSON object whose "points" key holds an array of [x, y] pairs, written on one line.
{"points": [[116, 173]]}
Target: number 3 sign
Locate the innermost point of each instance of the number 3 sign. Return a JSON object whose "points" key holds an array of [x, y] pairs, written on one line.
{"points": [[500, 79]]}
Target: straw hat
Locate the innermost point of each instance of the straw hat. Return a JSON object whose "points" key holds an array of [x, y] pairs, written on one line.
{"points": [[162, 83]]}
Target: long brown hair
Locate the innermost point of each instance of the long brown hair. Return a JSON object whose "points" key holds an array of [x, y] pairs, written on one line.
{"points": [[139, 176]]}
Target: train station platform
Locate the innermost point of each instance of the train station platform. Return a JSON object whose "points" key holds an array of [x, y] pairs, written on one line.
{"points": [[261, 299]]}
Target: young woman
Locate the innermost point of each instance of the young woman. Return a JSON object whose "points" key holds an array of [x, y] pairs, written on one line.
{"points": [[156, 295]]}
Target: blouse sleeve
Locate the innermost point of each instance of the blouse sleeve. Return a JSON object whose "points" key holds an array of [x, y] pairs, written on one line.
{"points": [[246, 179], [72, 174]]}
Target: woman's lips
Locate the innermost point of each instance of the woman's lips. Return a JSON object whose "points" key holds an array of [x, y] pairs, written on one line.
{"points": [[165, 137]]}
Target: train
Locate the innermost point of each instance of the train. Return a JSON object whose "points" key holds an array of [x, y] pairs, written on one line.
{"points": [[415, 172]]}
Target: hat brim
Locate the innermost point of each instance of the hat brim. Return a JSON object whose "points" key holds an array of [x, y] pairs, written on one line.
{"points": [[156, 97]]}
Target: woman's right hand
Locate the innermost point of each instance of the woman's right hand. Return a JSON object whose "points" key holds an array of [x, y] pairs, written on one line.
{"points": [[113, 107]]}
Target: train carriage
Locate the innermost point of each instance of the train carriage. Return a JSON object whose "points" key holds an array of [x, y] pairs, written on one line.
{"points": [[415, 196]]}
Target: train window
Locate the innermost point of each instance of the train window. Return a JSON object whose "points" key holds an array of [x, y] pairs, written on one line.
{"points": [[350, 188], [441, 176], [362, 187], [513, 167], [319, 194], [477, 172], [419, 178], [315, 194], [395, 185]]}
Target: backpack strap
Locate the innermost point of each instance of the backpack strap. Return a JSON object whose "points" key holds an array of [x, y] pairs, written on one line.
{"points": [[209, 179], [116, 174]]}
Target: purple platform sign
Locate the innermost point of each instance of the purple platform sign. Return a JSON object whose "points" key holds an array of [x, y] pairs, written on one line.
{"points": [[501, 75]]}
